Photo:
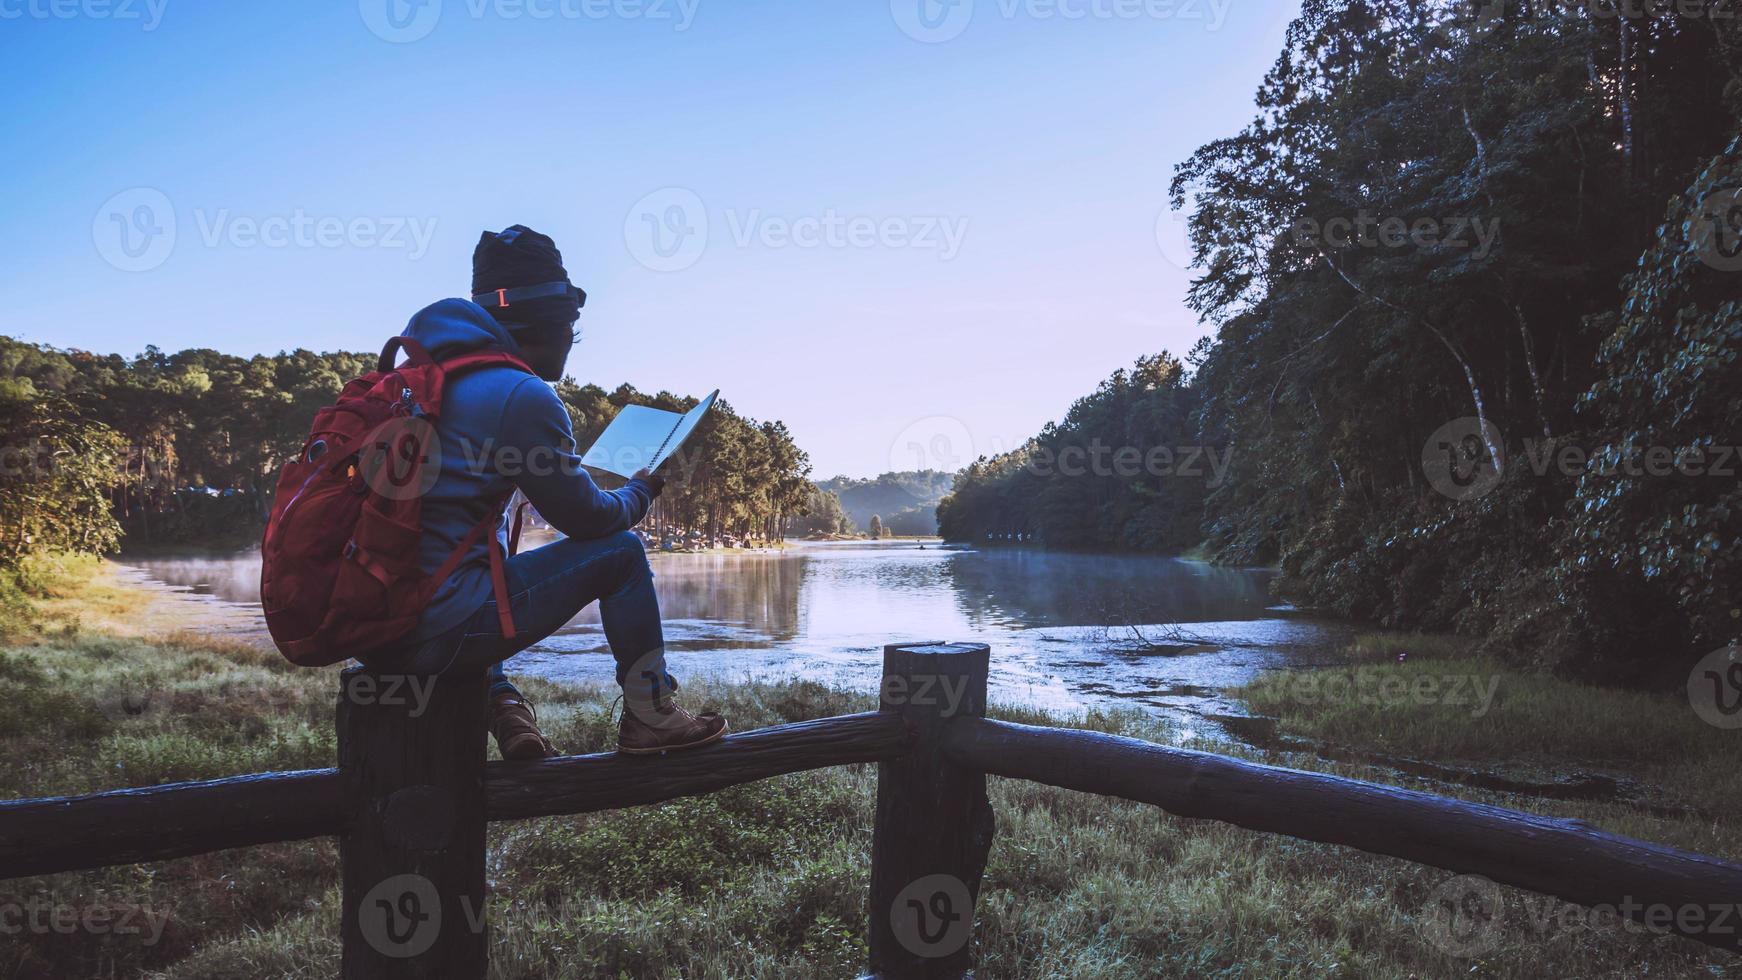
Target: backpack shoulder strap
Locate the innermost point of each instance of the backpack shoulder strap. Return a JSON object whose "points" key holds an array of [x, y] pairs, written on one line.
{"points": [[418, 357], [483, 359], [485, 529], [390, 353]]}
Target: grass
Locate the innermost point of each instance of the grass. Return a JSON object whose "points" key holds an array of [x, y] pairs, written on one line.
{"points": [[24, 586], [763, 880], [1429, 698], [1478, 708]]}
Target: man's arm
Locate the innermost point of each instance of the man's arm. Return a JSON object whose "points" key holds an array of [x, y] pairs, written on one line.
{"points": [[548, 471]]}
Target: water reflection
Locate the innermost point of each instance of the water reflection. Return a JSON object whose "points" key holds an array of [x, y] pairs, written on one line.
{"points": [[1017, 588], [232, 577], [1067, 631]]}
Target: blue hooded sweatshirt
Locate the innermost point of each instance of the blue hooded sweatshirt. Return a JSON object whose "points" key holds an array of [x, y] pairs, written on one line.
{"points": [[500, 429]]}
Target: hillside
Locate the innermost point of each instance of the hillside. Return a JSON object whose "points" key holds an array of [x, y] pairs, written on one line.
{"points": [[907, 502]]}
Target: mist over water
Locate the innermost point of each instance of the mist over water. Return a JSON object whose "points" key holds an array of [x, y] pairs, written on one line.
{"points": [[1067, 631]]}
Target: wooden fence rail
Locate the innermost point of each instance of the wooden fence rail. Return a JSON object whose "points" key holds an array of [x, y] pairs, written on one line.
{"points": [[155, 823], [1568, 859], [412, 794]]}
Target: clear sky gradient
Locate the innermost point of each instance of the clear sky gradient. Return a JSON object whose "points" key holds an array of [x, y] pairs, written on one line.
{"points": [[914, 233]]}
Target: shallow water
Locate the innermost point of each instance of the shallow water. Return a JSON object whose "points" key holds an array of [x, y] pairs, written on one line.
{"points": [[1067, 631]]}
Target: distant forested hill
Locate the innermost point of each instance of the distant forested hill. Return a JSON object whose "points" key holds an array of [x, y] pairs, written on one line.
{"points": [[182, 448], [906, 502]]}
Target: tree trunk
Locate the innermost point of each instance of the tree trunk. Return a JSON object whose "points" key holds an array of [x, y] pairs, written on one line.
{"points": [[1536, 389], [1624, 85]]}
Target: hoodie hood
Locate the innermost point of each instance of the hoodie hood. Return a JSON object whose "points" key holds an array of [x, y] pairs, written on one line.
{"points": [[457, 326]]}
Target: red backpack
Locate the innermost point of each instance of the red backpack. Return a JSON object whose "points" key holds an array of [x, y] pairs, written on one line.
{"points": [[339, 573]]}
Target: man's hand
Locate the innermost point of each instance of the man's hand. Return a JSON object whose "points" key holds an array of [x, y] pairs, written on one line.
{"points": [[656, 484]]}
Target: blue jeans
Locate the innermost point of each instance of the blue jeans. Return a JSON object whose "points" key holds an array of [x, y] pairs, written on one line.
{"points": [[546, 587]]}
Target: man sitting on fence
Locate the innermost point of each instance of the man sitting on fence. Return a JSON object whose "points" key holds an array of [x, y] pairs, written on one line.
{"points": [[501, 429]]}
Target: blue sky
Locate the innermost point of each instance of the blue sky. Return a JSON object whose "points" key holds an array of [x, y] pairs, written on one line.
{"points": [[915, 233]]}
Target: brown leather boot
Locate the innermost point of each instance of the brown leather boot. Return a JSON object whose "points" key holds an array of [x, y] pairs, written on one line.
{"points": [[515, 726], [663, 726]]}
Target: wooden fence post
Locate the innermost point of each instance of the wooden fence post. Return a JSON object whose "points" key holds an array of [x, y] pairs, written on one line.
{"points": [[411, 768], [934, 824]]}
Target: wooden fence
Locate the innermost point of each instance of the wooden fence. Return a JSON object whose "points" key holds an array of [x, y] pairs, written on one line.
{"points": [[412, 794]]}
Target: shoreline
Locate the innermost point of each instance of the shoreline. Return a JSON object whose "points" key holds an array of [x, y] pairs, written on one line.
{"points": [[1272, 716]]}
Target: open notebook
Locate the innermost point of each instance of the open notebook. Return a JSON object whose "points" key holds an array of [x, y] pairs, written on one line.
{"points": [[642, 438]]}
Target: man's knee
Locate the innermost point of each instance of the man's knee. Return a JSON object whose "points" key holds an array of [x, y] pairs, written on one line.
{"points": [[628, 541], [632, 553]]}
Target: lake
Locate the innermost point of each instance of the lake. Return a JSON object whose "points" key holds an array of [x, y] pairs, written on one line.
{"points": [[1067, 631]]}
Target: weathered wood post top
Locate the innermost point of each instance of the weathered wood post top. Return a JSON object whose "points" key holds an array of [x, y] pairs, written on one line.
{"points": [[934, 824], [411, 770]]}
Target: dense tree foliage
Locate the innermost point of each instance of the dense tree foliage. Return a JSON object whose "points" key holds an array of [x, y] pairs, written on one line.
{"points": [[823, 517], [1122, 470], [1420, 250], [55, 471], [1666, 543], [184, 447], [194, 419], [1337, 362]]}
